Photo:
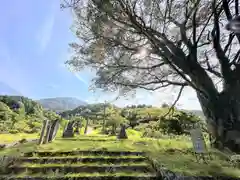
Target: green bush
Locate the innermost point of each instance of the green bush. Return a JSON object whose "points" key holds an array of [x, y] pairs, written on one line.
{"points": [[179, 123], [13, 131]]}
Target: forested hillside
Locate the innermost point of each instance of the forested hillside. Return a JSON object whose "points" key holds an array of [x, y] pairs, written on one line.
{"points": [[21, 114], [60, 104]]}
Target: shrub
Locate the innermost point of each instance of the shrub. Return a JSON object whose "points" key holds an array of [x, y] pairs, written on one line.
{"points": [[179, 123], [13, 131], [5, 163]]}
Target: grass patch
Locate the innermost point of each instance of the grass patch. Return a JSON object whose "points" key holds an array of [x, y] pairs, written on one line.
{"points": [[10, 138], [174, 153], [134, 134]]}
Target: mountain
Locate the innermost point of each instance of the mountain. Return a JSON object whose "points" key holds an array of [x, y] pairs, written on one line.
{"points": [[8, 90], [61, 103]]}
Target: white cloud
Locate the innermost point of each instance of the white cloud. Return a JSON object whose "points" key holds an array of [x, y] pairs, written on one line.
{"points": [[44, 34], [81, 79]]}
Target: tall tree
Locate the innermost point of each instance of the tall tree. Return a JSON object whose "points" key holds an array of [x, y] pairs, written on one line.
{"points": [[152, 44]]}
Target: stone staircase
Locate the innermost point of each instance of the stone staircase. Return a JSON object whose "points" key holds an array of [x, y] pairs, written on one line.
{"points": [[92, 165]]}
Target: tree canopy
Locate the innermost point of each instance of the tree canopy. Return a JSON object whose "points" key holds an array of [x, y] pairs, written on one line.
{"points": [[160, 43], [148, 44]]}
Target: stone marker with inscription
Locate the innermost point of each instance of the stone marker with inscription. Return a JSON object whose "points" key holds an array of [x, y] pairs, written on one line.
{"points": [[54, 130], [199, 145], [45, 141], [44, 128], [69, 132], [122, 133]]}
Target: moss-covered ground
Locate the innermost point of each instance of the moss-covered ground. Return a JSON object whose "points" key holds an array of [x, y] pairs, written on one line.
{"points": [[173, 153]]}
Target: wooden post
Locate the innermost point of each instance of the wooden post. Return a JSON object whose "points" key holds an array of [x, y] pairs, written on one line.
{"points": [[45, 124]]}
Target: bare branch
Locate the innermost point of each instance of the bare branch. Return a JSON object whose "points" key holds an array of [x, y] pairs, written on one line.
{"points": [[171, 109]]}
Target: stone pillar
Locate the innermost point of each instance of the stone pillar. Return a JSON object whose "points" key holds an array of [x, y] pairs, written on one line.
{"points": [[44, 127], [123, 134], [45, 141]]}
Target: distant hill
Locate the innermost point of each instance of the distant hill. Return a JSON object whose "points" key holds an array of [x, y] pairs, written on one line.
{"points": [[197, 113], [8, 90], [60, 104]]}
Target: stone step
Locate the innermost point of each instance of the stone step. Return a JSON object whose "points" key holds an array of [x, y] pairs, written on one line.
{"points": [[83, 153], [70, 168], [107, 177], [88, 139], [75, 159]]}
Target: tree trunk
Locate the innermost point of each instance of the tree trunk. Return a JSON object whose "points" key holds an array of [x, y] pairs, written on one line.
{"points": [[86, 127], [222, 114]]}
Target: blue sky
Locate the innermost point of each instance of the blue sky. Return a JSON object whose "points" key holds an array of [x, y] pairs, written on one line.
{"points": [[34, 37]]}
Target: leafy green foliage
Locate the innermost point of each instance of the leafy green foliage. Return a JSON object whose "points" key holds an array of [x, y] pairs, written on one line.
{"points": [[179, 123], [21, 114], [114, 121], [150, 121]]}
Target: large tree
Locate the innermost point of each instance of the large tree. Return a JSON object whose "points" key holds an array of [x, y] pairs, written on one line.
{"points": [[152, 44]]}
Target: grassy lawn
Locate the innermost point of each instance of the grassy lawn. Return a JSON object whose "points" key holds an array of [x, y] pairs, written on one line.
{"points": [[175, 154], [10, 138]]}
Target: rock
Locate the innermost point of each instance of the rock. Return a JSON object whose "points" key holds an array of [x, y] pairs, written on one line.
{"points": [[2, 146], [22, 141]]}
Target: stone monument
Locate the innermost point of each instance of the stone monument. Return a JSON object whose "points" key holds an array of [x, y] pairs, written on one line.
{"points": [[53, 130], [68, 132], [44, 128], [122, 133]]}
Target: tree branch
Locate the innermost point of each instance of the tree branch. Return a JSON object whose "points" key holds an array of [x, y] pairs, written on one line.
{"points": [[224, 61], [171, 109], [236, 7]]}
